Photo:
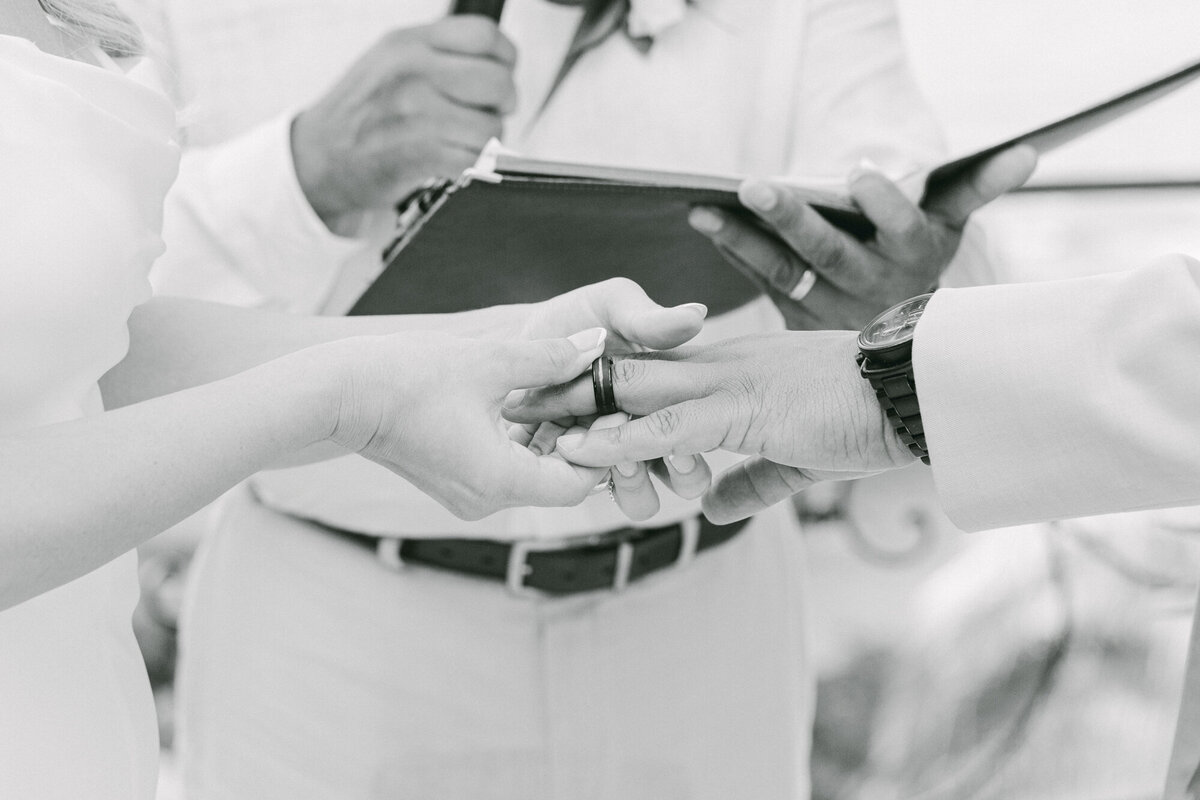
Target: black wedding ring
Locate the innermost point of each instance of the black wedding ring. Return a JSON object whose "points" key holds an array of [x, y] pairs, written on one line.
{"points": [[602, 386]]}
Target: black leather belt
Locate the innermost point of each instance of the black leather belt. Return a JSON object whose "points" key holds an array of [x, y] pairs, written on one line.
{"points": [[555, 566]]}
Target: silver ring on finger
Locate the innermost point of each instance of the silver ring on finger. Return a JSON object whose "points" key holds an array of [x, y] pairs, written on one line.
{"points": [[803, 286]]}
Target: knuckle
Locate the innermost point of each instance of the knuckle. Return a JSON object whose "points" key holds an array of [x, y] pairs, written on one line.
{"points": [[629, 372], [620, 285], [400, 39], [910, 224], [665, 422], [779, 270], [412, 97], [834, 252], [479, 34], [561, 355]]}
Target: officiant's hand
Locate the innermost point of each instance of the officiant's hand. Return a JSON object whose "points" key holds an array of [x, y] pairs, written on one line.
{"points": [[854, 280], [419, 104]]}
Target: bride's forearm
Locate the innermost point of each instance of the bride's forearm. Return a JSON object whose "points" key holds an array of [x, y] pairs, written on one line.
{"points": [[176, 343], [78, 494]]}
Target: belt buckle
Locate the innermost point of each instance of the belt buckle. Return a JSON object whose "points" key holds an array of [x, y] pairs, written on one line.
{"points": [[387, 550], [689, 530], [518, 565], [518, 561]]}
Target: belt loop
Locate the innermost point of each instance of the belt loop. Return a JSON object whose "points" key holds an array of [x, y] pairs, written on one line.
{"points": [[689, 539], [624, 563], [387, 549]]}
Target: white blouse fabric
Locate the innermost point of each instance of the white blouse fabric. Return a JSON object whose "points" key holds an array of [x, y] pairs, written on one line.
{"points": [[86, 156]]}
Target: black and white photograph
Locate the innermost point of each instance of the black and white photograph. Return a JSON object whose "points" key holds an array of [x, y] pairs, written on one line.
{"points": [[599, 400]]}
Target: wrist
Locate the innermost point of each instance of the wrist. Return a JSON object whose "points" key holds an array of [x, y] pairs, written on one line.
{"points": [[315, 379], [350, 415], [872, 419], [871, 439], [885, 361]]}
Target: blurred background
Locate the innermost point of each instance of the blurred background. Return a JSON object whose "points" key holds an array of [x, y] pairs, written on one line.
{"points": [[1040, 662]]}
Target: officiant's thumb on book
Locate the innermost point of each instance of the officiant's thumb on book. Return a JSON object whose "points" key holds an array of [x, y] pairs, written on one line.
{"points": [[821, 277]]}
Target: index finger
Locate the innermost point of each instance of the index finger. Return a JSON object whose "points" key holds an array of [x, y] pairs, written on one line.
{"points": [[695, 426], [472, 35], [833, 254]]}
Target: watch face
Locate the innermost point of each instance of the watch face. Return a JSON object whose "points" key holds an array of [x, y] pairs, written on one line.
{"points": [[894, 326]]}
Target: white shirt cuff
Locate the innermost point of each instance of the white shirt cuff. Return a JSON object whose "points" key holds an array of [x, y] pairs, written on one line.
{"points": [[240, 230]]}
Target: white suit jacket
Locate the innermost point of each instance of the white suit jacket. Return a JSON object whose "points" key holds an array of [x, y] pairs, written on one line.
{"points": [[1069, 398]]}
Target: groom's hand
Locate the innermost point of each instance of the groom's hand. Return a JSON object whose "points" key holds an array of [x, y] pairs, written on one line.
{"points": [[795, 402]]}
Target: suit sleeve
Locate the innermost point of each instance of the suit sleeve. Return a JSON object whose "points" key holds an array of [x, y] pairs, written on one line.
{"points": [[1066, 398]]}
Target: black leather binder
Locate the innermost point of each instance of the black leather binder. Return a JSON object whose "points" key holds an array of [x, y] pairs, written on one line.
{"points": [[521, 237], [530, 229]]}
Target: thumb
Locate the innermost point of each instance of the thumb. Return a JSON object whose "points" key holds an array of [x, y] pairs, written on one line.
{"points": [[625, 308], [546, 362], [997, 175]]}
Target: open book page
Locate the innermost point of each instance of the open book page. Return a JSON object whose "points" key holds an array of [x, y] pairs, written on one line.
{"points": [[496, 162]]}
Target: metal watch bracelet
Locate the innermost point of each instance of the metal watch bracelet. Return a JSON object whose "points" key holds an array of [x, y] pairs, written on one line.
{"points": [[896, 390]]}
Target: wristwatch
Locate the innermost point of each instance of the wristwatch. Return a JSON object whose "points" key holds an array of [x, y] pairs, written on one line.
{"points": [[885, 360]]}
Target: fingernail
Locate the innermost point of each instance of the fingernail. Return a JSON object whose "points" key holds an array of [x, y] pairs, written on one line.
{"points": [[758, 195], [627, 469], [682, 464], [705, 220], [514, 399], [572, 441], [864, 167], [699, 308], [589, 340]]}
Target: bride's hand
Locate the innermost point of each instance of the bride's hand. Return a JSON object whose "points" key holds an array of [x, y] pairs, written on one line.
{"points": [[634, 322], [427, 406]]}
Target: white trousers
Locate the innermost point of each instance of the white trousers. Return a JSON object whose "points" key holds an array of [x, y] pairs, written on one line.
{"points": [[310, 670]]}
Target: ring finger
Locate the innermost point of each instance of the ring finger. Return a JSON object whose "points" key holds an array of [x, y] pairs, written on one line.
{"points": [[641, 384]]}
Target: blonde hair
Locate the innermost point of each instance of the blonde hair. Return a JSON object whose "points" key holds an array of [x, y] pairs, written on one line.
{"points": [[99, 21]]}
